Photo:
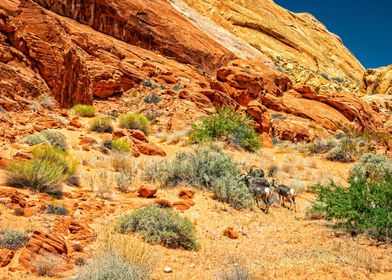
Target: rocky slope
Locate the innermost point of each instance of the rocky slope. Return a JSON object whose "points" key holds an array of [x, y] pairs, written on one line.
{"points": [[298, 43], [79, 51], [377, 81]]}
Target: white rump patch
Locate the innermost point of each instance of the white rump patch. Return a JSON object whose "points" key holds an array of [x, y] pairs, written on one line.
{"points": [[267, 190], [292, 191]]}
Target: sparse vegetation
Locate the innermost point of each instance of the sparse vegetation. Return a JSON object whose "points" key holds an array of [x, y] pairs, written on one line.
{"points": [[366, 206], [56, 138], [229, 126], [134, 121], [101, 183], [84, 110], [46, 172], [236, 272], [56, 209], [48, 264], [372, 168], [160, 226], [320, 146], [35, 139], [121, 146], [204, 167], [339, 153], [12, 239], [111, 266], [152, 98], [123, 181], [122, 163], [101, 124]]}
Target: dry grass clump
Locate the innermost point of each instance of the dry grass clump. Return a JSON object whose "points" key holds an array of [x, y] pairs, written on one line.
{"points": [[101, 124], [122, 163], [48, 264], [101, 183], [12, 239], [84, 110]]}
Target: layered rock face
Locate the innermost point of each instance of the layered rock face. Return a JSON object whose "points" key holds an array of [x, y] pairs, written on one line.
{"points": [[377, 81], [78, 51], [298, 43]]}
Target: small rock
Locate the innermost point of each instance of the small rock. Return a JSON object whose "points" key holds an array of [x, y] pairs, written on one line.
{"points": [[163, 203], [86, 148], [168, 269], [75, 123], [231, 233], [150, 150], [192, 265], [186, 193], [138, 134], [120, 133], [147, 190]]}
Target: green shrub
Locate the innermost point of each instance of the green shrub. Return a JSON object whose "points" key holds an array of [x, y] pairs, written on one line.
{"points": [[123, 180], [12, 239], [56, 138], [35, 139], [228, 126], [320, 146], [111, 266], [84, 110], [56, 209], [121, 146], [134, 121], [160, 226], [372, 167], [46, 172], [152, 98], [203, 167], [363, 207], [101, 124]]}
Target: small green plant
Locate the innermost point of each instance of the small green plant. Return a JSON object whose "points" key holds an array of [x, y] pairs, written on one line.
{"points": [[35, 139], [121, 146], [147, 83], [101, 124], [84, 110], [134, 121], [204, 167], [177, 88], [56, 209], [160, 226], [229, 126], [56, 138], [12, 239], [111, 266], [152, 98]]}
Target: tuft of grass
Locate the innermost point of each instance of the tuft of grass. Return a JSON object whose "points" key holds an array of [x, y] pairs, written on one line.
{"points": [[160, 226], [56, 138], [56, 209], [204, 167], [46, 172], [236, 272], [134, 121], [84, 110], [123, 180], [229, 126], [152, 98], [101, 124], [13, 239], [121, 146], [48, 264], [122, 163]]}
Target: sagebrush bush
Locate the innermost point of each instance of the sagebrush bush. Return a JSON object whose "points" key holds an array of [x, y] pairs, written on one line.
{"points": [[12, 239], [48, 264], [236, 272], [320, 146], [123, 180], [160, 226], [204, 167], [35, 139], [111, 266], [339, 153], [46, 172], [56, 138], [56, 209], [372, 167], [229, 126], [152, 98], [121, 146], [84, 110], [366, 206], [134, 121], [101, 124]]}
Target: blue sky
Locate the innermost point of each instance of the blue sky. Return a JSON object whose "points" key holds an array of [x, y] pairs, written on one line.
{"points": [[364, 26]]}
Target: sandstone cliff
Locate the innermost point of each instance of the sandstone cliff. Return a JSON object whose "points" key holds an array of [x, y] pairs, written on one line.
{"points": [[377, 81], [297, 43]]}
